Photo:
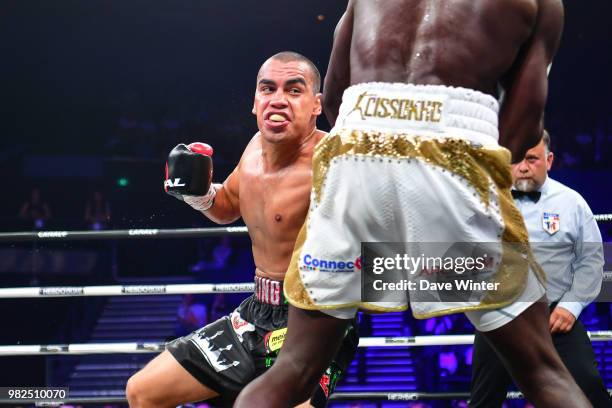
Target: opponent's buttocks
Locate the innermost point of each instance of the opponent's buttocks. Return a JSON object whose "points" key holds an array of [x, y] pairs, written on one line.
{"points": [[414, 164]]}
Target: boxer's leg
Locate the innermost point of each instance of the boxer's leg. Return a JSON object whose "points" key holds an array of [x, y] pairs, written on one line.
{"points": [[163, 382], [313, 339]]}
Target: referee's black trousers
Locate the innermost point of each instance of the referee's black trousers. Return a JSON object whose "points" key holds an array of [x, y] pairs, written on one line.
{"points": [[490, 380]]}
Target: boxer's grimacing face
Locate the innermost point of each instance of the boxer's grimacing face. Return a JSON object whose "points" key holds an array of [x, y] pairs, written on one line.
{"points": [[530, 173], [285, 104]]}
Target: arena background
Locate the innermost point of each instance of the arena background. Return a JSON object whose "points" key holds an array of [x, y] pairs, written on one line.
{"points": [[95, 93]]}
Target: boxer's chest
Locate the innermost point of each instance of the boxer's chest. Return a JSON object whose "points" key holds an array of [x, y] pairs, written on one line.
{"points": [[275, 203]]}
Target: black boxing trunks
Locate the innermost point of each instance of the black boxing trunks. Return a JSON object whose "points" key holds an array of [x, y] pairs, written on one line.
{"points": [[231, 352]]}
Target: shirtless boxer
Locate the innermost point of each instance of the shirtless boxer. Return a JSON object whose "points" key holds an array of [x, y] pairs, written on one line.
{"points": [[412, 93], [270, 190]]}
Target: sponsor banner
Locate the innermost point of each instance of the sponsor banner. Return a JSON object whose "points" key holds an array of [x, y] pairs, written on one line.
{"points": [[274, 340], [236, 229], [52, 234], [54, 348], [61, 291], [399, 340], [143, 289], [311, 262], [234, 287], [144, 232]]}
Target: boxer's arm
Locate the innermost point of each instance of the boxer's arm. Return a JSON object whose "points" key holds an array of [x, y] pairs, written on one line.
{"points": [[226, 207], [526, 85], [338, 76]]}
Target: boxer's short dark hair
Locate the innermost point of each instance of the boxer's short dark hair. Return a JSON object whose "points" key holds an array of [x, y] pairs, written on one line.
{"points": [[288, 56]]}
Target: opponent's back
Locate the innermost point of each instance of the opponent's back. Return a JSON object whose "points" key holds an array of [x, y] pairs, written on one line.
{"points": [[469, 43], [476, 44]]}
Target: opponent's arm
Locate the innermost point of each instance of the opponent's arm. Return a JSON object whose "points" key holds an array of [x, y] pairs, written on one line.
{"points": [[338, 76], [526, 85], [189, 179]]}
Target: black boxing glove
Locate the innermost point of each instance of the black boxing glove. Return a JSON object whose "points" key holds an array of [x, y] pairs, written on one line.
{"points": [[189, 175]]}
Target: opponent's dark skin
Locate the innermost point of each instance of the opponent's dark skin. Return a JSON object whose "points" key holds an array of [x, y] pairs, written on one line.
{"points": [[477, 44]]}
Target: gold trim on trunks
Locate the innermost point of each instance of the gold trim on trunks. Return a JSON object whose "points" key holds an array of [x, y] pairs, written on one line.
{"points": [[481, 167]]}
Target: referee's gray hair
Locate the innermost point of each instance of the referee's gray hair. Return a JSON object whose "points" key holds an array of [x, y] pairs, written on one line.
{"points": [[546, 140]]}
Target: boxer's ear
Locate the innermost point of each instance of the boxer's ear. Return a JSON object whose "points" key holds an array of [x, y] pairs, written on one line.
{"points": [[318, 107]]}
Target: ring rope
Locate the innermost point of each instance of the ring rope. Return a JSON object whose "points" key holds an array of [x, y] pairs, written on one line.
{"points": [[123, 290], [137, 233], [388, 396], [131, 290], [155, 347]]}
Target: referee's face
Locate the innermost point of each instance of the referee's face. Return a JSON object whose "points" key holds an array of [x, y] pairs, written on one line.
{"points": [[530, 173]]}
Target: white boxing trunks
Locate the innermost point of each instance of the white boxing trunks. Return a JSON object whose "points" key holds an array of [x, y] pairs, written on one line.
{"points": [[410, 163]]}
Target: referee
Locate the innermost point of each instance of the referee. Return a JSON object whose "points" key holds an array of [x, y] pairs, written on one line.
{"points": [[567, 244]]}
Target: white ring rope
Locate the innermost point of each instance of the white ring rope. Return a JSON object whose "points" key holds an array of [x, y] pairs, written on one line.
{"points": [[135, 347], [137, 233], [123, 290]]}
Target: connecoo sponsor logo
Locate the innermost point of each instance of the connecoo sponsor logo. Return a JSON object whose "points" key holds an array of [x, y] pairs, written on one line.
{"points": [[144, 289], [61, 291], [237, 229], [142, 232], [52, 234], [327, 265]]}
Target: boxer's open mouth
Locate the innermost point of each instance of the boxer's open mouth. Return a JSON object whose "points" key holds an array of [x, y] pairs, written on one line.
{"points": [[275, 117], [276, 121]]}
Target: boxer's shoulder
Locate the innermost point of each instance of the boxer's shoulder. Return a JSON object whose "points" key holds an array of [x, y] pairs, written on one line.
{"points": [[253, 147], [251, 155]]}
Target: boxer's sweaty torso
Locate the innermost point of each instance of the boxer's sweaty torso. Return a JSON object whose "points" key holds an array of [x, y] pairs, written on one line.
{"points": [[274, 204], [417, 41]]}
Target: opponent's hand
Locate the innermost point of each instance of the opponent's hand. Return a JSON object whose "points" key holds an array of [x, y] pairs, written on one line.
{"points": [[189, 174], [561, 320]]}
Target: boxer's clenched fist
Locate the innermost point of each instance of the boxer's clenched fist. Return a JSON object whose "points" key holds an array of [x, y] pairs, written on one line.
{"points": [[189, 175]]}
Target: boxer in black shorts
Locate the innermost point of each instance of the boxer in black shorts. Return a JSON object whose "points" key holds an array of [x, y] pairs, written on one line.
{"points": [[270, 190], [227, 354]]}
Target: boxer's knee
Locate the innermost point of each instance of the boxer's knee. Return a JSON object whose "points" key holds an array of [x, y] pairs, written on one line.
{"points": [[134, 391], [139, 394]]}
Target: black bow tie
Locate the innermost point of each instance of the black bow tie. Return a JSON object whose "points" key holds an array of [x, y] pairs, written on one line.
{"points": [[532, 195]]}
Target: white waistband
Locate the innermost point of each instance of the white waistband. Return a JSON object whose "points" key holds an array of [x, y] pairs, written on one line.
{"points": [[425, 110]]}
